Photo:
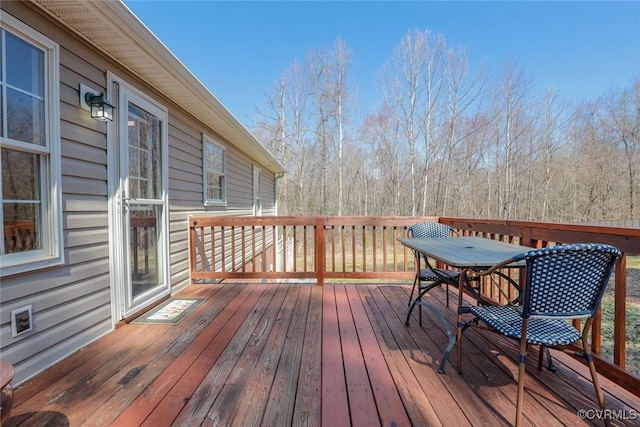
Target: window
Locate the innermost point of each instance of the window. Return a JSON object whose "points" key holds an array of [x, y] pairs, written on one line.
{"points": [[214, 173], [29, 141]]}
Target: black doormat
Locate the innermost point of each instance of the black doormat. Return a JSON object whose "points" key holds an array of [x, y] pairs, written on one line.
{"points": [[171, 312]]}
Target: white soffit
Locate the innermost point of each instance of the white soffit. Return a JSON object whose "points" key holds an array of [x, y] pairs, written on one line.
{"points": [[111, 27]]}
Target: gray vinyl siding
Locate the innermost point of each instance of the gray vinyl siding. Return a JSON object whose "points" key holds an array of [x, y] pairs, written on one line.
{"points": [[72, 303], [186, 187], [239, 182], [268, 192]]}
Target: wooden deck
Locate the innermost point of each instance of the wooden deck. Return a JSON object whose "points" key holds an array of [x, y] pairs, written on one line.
{"points": [[278, 354]]}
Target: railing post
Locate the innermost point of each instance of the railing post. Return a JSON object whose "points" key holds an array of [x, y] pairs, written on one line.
{"points": [[192, 247], [620, 315], [320, 251], [526, 238]]}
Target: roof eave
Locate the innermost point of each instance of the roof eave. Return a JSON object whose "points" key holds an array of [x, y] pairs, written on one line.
{"points": [[125, 39]]}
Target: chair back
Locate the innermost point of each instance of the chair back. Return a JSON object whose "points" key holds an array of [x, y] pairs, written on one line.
{"points": [[428, 229], [567, 281]]}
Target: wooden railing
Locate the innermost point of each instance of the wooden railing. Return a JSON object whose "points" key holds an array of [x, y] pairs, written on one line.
{"points": [[300, 247], [366, 248]]}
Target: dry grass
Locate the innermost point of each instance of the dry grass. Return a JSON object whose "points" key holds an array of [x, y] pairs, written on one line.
{"points": [[633, 317]]}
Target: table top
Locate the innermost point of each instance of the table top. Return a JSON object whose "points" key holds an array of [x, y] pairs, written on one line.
{"points": [[466, 251]]}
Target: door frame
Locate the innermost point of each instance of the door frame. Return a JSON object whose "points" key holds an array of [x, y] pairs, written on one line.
{"points": [[118, 253]]}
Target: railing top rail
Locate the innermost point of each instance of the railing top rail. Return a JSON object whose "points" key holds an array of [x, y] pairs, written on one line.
{"points": [[598, 229], [401, 221], [204, 221], [626, 239], [207, 221]]}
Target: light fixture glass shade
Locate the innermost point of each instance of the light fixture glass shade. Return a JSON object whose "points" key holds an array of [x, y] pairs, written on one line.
{"points": [[101, 109]]}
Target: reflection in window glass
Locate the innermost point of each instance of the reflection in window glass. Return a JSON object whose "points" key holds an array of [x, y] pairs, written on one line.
{"points": [[29, 192], [145, 262], [144, 154], [20, 175], [21, 227], [25, 118], [25, 66], [214, 172], [1, 112], [214, 189], [20, 201], [1, 85], [23, 112]]}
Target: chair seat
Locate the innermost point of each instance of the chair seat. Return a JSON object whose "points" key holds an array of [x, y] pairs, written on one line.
{"points": [[508, 321], [428, 275]]}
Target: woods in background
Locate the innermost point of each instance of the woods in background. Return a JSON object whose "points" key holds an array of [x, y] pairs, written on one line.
{"points": [[448, 140]]}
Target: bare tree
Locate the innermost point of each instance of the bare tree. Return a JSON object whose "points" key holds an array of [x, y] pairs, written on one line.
{"points": [[434, 76], [283, 128], [555, 122], [595, 163], [342, 58], [623, 123], [386, 165], [403, 85], [511, 130], [441, 146], [463, 96]]}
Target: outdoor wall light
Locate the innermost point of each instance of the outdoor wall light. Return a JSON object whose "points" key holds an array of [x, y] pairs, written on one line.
{"points": [[95, 102], [100, 107]]}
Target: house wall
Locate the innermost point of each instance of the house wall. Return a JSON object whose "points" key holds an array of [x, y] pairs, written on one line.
{"points": [[185, 187], [72, 303]]}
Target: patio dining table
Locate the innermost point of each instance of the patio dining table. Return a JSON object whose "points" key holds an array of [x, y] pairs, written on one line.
{"points": [[477, 253]]}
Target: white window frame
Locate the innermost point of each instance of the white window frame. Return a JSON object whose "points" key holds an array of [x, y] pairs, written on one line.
{"points": [[52, 251], [205, 173]]}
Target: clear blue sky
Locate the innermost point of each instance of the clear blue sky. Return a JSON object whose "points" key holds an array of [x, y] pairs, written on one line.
{"points": [[239, 49]]}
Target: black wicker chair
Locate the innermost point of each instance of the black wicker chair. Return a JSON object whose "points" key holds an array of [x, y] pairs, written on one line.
{"points": [[428, 277], [562, 282]]}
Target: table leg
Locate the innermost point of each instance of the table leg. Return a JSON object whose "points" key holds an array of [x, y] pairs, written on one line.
{"points": [[449, 332], [419, 298]]}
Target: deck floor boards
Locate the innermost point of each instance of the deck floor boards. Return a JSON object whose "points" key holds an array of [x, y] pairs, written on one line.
{"points": [[275, 354]]}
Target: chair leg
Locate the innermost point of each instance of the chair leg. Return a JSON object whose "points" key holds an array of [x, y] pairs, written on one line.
{"points": [[419, 307], [596, 386], [459, 342], [540, 357], [447, 287], [416, 282], [550, 366], [459, 322], [413, 288], [592, 368], [521, 372]]}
